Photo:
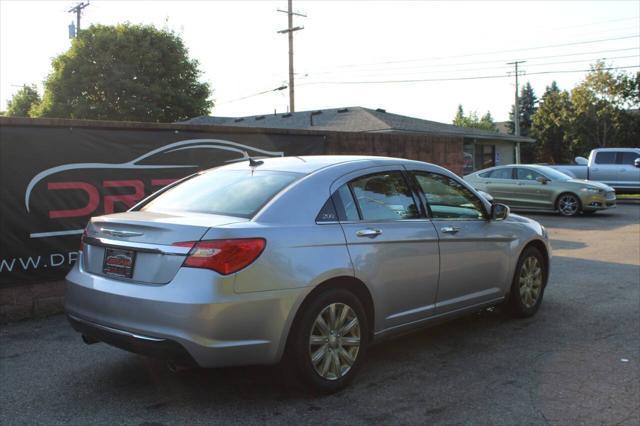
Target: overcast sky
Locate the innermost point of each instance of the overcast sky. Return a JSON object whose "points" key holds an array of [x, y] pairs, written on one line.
{"points": [[344, 42]]}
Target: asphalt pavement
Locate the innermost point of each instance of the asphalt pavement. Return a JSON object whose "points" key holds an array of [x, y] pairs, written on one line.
{"points": [[576, 362]]}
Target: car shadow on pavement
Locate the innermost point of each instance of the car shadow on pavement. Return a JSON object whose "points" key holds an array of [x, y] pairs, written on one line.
{"points": [[602, 221]]}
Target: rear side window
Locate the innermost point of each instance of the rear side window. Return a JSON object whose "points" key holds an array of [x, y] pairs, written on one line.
{"points": [[628, 157], [384, 196], [327, 213], [606, 158], [239, 193], [501, 173], [527, 174]]}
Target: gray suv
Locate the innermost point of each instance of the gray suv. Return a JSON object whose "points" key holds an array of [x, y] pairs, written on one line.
{"points": [[302, 259]]}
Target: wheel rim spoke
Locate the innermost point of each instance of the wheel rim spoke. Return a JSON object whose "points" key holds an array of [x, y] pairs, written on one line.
{"points": [[346, 356], [347, 328], [320, 354], [350, 341]]}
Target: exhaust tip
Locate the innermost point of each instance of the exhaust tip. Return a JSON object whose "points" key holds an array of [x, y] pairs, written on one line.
{"points": [[89, 340]]}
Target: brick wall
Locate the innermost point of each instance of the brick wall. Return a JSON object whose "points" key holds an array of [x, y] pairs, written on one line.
{"points": [[445, 151]]}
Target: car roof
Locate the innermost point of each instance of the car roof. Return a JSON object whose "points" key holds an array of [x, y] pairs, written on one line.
{"points": [[311, 163], [532, 166]]}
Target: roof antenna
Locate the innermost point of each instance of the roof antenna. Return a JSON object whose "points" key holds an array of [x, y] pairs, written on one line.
{"points": [[255, 163]]}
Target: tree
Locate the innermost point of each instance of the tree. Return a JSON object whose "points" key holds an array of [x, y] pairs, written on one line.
{"points": [[603, 104], [22, 102], [125, 72], [528, 107], [551, 126], [472, 120]]}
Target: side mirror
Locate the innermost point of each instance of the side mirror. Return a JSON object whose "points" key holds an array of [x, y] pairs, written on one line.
{"points": [[499, 211], [636, 162], [581, 161], [543, 180]]}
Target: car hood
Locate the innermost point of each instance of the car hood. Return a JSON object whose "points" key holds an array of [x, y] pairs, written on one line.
{"points": [[591, 183]]}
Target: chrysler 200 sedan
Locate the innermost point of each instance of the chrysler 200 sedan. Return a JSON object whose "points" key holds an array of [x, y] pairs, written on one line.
{"points": [[305, 260], [534, 187]]}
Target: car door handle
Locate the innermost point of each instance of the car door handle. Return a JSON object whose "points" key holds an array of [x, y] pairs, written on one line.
{"points": [[369, 233], [450, 229], [520, 183]]}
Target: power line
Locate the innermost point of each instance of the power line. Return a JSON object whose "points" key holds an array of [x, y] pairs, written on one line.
{"points": [[484, 77], [283, 87], [500, 67], [529, 58], [497, 51]]}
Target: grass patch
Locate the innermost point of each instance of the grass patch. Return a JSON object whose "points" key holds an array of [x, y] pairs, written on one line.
{"points": [[628, 196]]}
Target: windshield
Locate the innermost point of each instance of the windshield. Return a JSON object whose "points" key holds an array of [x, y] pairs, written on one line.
{"points": [[553, 174], [238, 193]]}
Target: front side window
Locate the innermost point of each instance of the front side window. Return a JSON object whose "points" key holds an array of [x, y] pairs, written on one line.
{"points": [[448, 198], [239, 193], [527, 174], [606, 158], [384, 196]]}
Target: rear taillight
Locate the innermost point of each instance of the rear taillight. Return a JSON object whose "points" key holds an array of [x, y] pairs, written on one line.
{"points": [[223, 256]]}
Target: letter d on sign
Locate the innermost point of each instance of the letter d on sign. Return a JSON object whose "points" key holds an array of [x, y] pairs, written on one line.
{"points": [[52, 261]]}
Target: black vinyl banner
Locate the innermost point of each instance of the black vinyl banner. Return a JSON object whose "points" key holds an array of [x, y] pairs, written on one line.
{"points": [[53, 179]]}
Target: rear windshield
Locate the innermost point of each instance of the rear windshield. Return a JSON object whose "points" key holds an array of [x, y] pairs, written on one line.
{"points": [[238, 193]]}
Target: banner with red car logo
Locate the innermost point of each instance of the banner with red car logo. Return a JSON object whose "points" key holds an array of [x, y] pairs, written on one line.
{"points": [[53, 179]]}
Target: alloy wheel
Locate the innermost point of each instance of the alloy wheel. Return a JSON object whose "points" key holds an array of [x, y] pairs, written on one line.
{"points": [[530, 281], [568, 205], [334, 341]]}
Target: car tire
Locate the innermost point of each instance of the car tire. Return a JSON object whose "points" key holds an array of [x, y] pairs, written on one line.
{"points": [[568, 204], [527, 287], [331, 370]]}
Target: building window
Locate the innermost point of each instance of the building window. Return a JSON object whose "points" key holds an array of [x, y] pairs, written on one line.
{"points": [[485, 156], [468, 155]]}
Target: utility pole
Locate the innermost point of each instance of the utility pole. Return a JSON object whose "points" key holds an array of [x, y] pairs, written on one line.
{"points": [[290, 29], [516, 112], [77, 9]]}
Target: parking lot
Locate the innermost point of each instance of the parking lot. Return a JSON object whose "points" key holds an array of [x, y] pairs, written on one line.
{"points": [[576, 362]]}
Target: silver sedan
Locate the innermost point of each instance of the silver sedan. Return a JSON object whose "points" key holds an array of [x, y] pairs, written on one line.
{"points": [[303, 259]]}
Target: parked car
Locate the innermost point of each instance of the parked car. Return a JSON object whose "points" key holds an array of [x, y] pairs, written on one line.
{"points": [[308, 260], [617, 167], [534, 187]]}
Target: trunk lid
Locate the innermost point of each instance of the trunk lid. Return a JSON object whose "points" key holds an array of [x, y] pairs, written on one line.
{"points": [[138, 246]]}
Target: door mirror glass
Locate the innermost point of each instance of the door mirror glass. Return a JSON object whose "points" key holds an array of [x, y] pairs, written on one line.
{"points": [[499, 211], [543, 180], [636, 162]]}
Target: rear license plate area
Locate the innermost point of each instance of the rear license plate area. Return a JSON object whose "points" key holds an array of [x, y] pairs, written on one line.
{"points": [[118, 263]]}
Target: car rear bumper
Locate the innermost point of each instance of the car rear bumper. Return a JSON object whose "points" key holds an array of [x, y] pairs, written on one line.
{"points": [[195, 319]]}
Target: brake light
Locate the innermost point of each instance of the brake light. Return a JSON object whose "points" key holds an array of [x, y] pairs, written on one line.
{"points": [[223, 256]]}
